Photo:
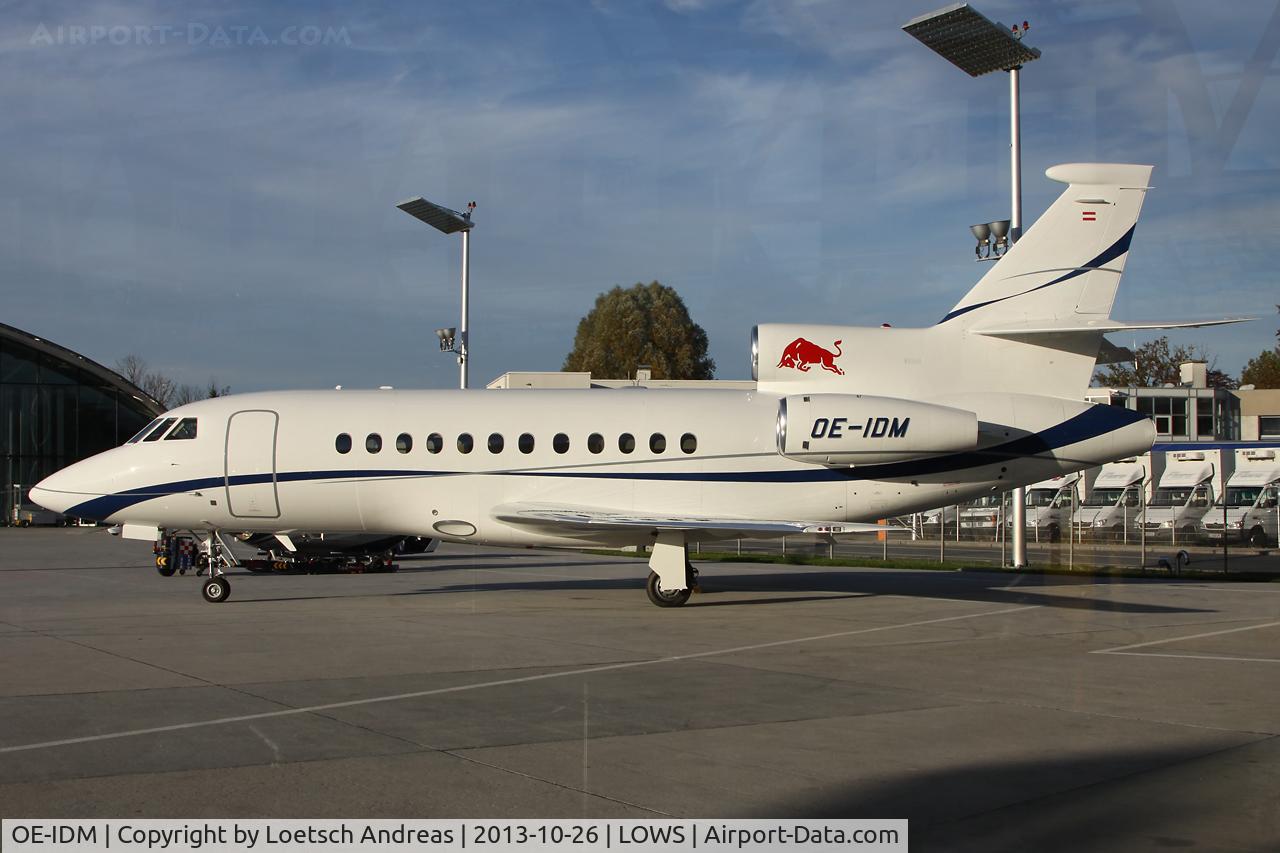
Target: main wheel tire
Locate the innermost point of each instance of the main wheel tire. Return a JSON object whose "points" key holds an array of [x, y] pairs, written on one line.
{"points": [[662, 597], [1258, 538], [216, 590]]}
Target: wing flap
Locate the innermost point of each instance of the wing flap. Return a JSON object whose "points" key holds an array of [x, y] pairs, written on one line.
{"points": [[589, 519]]}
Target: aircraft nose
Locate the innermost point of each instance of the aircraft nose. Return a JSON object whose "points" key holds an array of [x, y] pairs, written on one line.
{"points": [[49, 498], [64, 489]]}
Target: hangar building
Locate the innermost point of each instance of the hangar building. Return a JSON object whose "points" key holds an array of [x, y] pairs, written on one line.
{"points": [[57, 407]]}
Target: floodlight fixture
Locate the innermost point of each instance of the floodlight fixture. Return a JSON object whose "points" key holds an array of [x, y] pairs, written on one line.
{"points": [[982, 231], [1000, 236], [437, 216], [449, 221], [971, 41]]}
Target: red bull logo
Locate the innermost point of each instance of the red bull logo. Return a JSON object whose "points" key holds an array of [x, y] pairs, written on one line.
{"points": [[802, 354]]}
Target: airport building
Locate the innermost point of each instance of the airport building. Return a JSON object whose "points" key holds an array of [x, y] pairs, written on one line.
{"points": [[1189, 411], [1259, 414], [57, 407]]}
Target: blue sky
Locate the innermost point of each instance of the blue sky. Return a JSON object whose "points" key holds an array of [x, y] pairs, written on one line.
{"points": [[225, 207]]}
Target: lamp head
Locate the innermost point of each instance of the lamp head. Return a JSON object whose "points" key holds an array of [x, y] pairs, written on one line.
{"points": [[982, 231], [999, 228]]}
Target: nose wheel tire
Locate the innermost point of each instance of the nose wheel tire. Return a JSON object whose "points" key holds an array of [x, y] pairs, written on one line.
{"points": [[665, 597], [216, 590]]}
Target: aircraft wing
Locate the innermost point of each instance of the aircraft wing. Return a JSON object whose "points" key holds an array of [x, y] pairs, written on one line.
{"points": [[569, 519], [1051, 327]]}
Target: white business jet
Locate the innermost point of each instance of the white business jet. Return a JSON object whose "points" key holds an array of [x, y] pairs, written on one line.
{"points": [[847, 425]]}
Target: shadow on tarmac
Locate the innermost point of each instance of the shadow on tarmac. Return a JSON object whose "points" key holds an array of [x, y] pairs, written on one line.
{"points": [[840, 584], [805, 586], [953, 809]]}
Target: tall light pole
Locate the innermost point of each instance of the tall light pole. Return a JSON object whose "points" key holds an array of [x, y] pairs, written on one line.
{"points": [[449, 222], [976, 45]]}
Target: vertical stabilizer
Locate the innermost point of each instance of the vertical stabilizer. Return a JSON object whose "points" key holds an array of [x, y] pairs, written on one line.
{"points": [[1068, 264]]}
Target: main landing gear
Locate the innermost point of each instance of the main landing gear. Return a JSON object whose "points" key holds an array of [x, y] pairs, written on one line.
{"points": [[672, 578]]}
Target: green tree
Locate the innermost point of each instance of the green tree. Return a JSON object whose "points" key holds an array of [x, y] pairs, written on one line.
{"points": [[645, 324], [1156, 363], [1263, 370]]}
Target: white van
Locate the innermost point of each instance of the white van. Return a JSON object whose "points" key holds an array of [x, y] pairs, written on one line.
{"points": [[1252, 500], [980, 517], [1191, 481], [1113, 507], [1049, 504]]}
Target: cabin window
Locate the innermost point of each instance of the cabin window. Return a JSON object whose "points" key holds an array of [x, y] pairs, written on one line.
{"points": [[342, 443], [626, 442], [526, 443], [560, 444], [688, 442], [465, 443], [373, 443], [658, 443], [495, 442], [404, 442], [140, 433], [185, 429], [160, 430], [595, 442], [435, 443]]}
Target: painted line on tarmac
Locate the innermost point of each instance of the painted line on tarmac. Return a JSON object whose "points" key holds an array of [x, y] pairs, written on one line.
{"points": [[1191, 657], [504, 682], [1120, 650]]}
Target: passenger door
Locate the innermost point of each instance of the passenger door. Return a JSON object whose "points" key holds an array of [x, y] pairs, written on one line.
{"points": [[251, 464]]}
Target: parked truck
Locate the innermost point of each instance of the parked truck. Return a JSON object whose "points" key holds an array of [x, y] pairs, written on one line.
{"points": [[1191, 481], [1251, 503], [1113, 506]]}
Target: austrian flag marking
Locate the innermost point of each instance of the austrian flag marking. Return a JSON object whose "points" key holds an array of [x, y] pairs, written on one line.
{"points": [[1089, 215]]}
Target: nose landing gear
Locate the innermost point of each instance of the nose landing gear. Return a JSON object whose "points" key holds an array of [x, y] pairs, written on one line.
{"points": [[217, 588]]}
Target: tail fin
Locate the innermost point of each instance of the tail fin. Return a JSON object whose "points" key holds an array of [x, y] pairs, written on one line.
{"points": [[1067, 266]]}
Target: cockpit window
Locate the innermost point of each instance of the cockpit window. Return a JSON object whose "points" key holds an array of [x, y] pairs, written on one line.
{"points": [[140, 433], [160, 430], [186, 428]]}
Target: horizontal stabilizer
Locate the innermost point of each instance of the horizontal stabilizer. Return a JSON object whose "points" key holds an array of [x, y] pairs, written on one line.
{"points": [[1051, 327], [567, 519], [1109, 353]]}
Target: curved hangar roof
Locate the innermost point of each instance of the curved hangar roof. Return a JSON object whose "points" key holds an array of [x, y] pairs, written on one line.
{"points": [[106, 375]]}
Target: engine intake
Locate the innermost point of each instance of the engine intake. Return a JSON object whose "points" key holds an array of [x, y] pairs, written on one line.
{"points": [[853, 429]]}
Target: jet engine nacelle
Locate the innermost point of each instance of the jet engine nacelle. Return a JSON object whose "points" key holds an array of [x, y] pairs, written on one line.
{"points": [[853, 429]]}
